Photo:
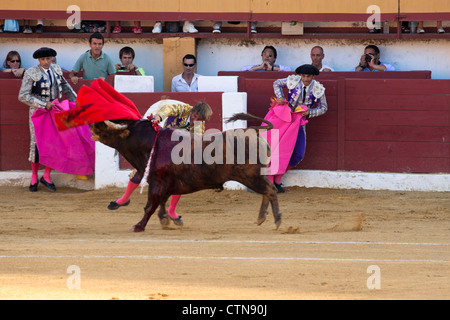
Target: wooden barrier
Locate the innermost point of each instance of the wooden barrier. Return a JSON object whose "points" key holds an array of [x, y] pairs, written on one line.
{"points": [[415, 74], [384, 125]]}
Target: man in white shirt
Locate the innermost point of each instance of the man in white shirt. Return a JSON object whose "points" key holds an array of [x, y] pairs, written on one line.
{"points": [[317, 56], [188, 80]]}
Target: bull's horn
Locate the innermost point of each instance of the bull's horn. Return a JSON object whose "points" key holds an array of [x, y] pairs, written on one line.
{"points": [[115, 126]]}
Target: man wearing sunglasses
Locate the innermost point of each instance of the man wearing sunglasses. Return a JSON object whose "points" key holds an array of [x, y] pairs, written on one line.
{"points": [[188, 80]]}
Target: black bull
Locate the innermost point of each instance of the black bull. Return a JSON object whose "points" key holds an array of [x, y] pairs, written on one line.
{"points": [[134, 140]]}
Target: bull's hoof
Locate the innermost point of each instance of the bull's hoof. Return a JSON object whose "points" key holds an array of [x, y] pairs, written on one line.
{"points": [[178, 221], [137, 228], [278, 221], [164, 221], [260, 221]]}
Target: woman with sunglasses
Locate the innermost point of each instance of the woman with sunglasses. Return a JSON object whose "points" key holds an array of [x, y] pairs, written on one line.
{"points": [[13, 64]]}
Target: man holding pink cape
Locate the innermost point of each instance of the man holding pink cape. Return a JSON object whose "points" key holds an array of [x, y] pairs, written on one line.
{"points": [[41, 86], [306, 99]]}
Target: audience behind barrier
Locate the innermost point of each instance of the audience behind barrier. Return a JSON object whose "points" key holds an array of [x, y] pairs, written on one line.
{"points": [[13, 64], [94, 62], [126, 56], [268, 56]]}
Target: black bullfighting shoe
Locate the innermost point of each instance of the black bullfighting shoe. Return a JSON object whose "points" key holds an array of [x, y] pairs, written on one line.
{"points": [[279, 188], [177, 221], [33, 187], [114, 205], [49, 186]]}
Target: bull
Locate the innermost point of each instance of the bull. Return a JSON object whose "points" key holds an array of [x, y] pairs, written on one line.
{"points": [[138, 142]]}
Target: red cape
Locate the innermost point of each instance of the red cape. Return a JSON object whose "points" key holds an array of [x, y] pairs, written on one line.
{"points": [[97, 103]]}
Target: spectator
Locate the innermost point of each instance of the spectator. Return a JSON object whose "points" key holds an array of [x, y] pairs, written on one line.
{"points": [[136, 29], [126, 56], [268, 55], [306, 98], [39, 26], [317, 56], [217, 26], [42, 84], [188, 80], [439, 27], [370, 61], [13, 64], [188, 27], [2, 24], [94, 62]]}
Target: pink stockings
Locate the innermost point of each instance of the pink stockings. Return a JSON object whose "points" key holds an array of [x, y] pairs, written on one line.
{"points": [[132, 186], [34, 173]]}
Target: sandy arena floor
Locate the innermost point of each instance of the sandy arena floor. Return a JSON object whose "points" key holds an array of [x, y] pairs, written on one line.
{"points": [[332, 244]]}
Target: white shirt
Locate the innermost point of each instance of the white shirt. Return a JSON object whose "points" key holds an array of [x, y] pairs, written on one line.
{"points": [[180, 85], [326, 67]]}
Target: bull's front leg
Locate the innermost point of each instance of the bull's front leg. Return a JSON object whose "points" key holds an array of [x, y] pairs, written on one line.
{"points": [[148, 211], [163, 216]]}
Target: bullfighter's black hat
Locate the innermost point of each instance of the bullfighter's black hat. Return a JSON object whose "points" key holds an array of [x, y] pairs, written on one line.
{"points": [[44, 52], [307, 69]]}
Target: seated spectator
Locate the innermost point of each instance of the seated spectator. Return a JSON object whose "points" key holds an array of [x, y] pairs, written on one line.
{"points": [[136, 29], [94, 62], [269, 55], [188, 80], [126, 56], [188, 27], [39, 26], [370, 61], [317, 56], [2, 23], [13, 64], [438, 26]]}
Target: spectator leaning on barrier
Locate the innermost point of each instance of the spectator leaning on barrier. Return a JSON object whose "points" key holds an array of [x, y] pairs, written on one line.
{"points": [[269, 56], [126, 56], [94, 62], [188, 80], [13, 64], [370, 61], [317, 55]]}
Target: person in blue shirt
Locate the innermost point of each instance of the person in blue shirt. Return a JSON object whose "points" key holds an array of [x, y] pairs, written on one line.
{"points": [[370, 61]]}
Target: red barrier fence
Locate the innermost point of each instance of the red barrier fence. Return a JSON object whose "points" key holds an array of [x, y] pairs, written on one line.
{"points": [[384, 125]]}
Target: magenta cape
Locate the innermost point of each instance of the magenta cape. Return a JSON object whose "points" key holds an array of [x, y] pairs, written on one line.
{"points": [[287, 124], [70, 151]]}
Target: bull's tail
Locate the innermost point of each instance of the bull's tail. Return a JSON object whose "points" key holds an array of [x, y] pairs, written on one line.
{"points": [[247, 116]]}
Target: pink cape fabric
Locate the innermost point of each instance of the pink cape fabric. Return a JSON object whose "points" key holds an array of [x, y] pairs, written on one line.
{"points": [[70, 151], [287, 123]]}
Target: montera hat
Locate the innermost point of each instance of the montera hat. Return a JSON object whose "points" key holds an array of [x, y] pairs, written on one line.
{"points": [[307, 69], [44, 52]]}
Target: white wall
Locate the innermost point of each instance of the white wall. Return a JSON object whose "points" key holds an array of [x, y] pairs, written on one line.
{"points": [[343, 55], [231, 54], [149, 53]]}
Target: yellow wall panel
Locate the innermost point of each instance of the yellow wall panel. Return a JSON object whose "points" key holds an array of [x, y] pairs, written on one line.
{"points": [[323, 6], [214, 6], [410, 6], [243, 6]]}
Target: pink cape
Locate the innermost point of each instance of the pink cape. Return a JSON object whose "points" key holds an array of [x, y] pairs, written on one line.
{"points": [[70, 151], [287, 124]]}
